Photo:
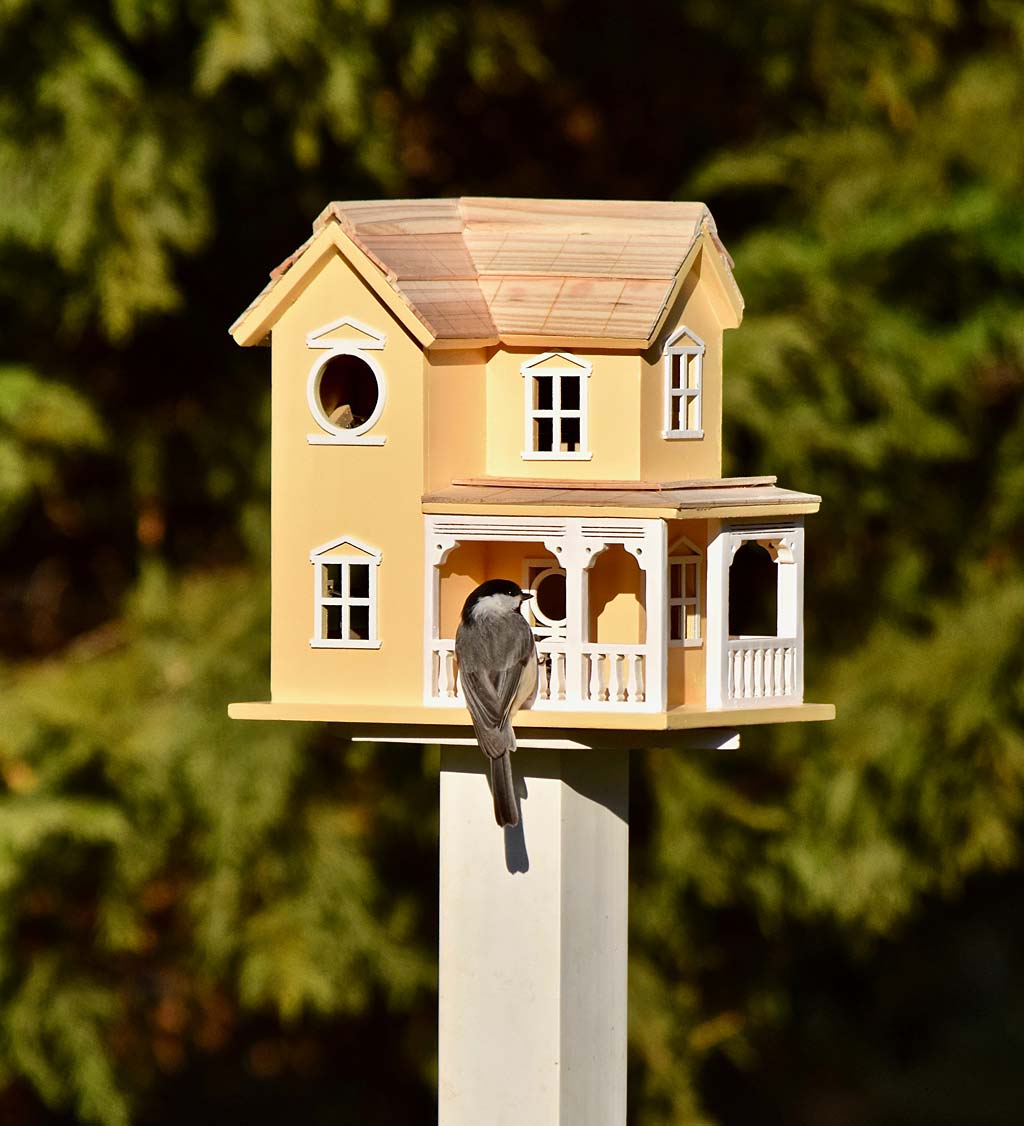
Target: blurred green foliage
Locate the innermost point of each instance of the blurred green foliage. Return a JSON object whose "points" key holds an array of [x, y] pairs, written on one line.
{"points": [[206, 918]]}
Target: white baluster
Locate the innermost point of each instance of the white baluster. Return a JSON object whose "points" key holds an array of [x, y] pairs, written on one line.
{"points": [[616, 686], [595, 694], [448, 659], [558, 675], [544, 677], [442, 672], [639, 691]]}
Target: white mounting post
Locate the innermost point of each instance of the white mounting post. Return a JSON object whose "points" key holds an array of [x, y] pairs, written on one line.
{"points": [[532, 958]]}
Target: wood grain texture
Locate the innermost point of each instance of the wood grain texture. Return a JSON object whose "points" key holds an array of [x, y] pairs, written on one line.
{"points": [[490, 268]]}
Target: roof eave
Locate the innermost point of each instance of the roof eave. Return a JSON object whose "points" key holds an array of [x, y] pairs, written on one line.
{"points": [[256, 323]]}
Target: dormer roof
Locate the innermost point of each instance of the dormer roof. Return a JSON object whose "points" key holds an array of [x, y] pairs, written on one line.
{"points": [[489, 270]]}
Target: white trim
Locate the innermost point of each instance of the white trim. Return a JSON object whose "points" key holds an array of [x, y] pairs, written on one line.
{"points": [[335, 435], [327, 337], [691, 361], [324, 556], [631, 678], [531, 611], [346, 540], [323, 337], [772, 665], [575, 368]]}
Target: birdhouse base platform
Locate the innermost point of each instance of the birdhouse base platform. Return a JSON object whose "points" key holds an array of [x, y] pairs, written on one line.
{"points": [[437, 723]]}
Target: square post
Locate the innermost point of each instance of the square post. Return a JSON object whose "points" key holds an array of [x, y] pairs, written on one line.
{"points": [[533, 941]]}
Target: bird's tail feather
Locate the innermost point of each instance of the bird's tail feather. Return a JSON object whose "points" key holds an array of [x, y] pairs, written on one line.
{"points": [[503, 790]]}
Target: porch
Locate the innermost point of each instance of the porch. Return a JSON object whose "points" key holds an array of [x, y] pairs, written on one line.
{"points": [[748, 620], [599, 615]]}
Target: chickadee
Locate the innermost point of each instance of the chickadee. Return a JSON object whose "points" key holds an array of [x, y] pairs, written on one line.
{"points": [[498, 671]]}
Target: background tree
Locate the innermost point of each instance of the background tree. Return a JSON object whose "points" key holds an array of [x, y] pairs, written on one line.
{"points": [[235, 920]]}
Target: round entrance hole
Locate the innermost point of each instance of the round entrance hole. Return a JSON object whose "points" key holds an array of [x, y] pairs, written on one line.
{"points": [[348, 392], [549, 604]]}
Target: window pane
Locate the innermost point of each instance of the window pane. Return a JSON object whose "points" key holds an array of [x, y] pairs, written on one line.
{"points": [[543, 442], [570, 392], [331, 574], [691, 412], [675, 580], [691, 580], [359, 623], [675, 420], [332, 621], [692, 624], [675, 627], [359, 580], [542, 400], [678, 372], [570, 435]]}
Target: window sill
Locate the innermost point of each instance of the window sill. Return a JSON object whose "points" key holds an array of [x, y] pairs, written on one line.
{"points": [[693, 643], [344, 440], [337, 643], [674, 435], [533, 455]]}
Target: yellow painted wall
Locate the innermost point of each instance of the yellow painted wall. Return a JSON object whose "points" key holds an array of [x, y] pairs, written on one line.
{"points": [[687, 666], [371, 493], [616, 594], [685, 458], [473, 563], [456, 383], [614, 422]]}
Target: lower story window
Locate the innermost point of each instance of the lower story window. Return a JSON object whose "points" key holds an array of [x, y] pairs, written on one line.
{"points": [[345, 597], [684, 599]]}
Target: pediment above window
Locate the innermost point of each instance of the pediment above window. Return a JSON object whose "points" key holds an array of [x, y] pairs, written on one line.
{"points": [[346, 332]]}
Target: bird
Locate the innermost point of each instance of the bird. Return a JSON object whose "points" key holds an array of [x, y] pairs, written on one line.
{"points": [[497, 659]]}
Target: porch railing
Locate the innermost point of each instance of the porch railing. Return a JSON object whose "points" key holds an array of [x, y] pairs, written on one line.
{"points": [[612, 676], [762, 668]]}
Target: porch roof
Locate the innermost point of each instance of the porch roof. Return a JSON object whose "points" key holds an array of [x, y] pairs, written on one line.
{"points": [[665, 500]]}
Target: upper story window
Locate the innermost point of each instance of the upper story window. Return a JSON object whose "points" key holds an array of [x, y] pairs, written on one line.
{"points": [[684, 373], [344, 596], [556, 392], [684, 566], [345, 388]]}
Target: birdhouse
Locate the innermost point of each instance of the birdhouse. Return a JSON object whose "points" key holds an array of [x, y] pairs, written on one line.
{"points": [[530, 390], [473, 388]]}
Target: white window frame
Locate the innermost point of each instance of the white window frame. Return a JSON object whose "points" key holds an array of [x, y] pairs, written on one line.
{"points": [[344, 337], [688, 359], [685, 555], [363, 556], [575, 367]]}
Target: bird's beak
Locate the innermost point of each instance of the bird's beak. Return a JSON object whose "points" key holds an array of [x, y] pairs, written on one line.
{"points": [[526, 596]]}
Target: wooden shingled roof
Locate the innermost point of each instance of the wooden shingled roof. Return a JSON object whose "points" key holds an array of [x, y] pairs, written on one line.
{"points": [[487, 269]]}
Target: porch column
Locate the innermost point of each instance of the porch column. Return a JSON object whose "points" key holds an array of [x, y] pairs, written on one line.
{"points": [[719, 558], [574, 559], [653, 561]]}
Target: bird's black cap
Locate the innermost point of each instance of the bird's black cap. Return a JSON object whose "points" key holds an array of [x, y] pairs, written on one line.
{"points": [[493, 586]]}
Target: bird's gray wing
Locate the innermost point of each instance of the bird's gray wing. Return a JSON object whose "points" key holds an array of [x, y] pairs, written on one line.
{"points": [[490, 695]]}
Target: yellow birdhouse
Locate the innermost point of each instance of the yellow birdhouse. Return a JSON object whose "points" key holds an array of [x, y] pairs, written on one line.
{"points": [[466, 389]]}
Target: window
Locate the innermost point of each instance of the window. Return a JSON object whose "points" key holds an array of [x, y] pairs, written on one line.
{"points": [[345, 596], [546, 612], [345, 389], [684, 370], [556, 408], [684, 597]]}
